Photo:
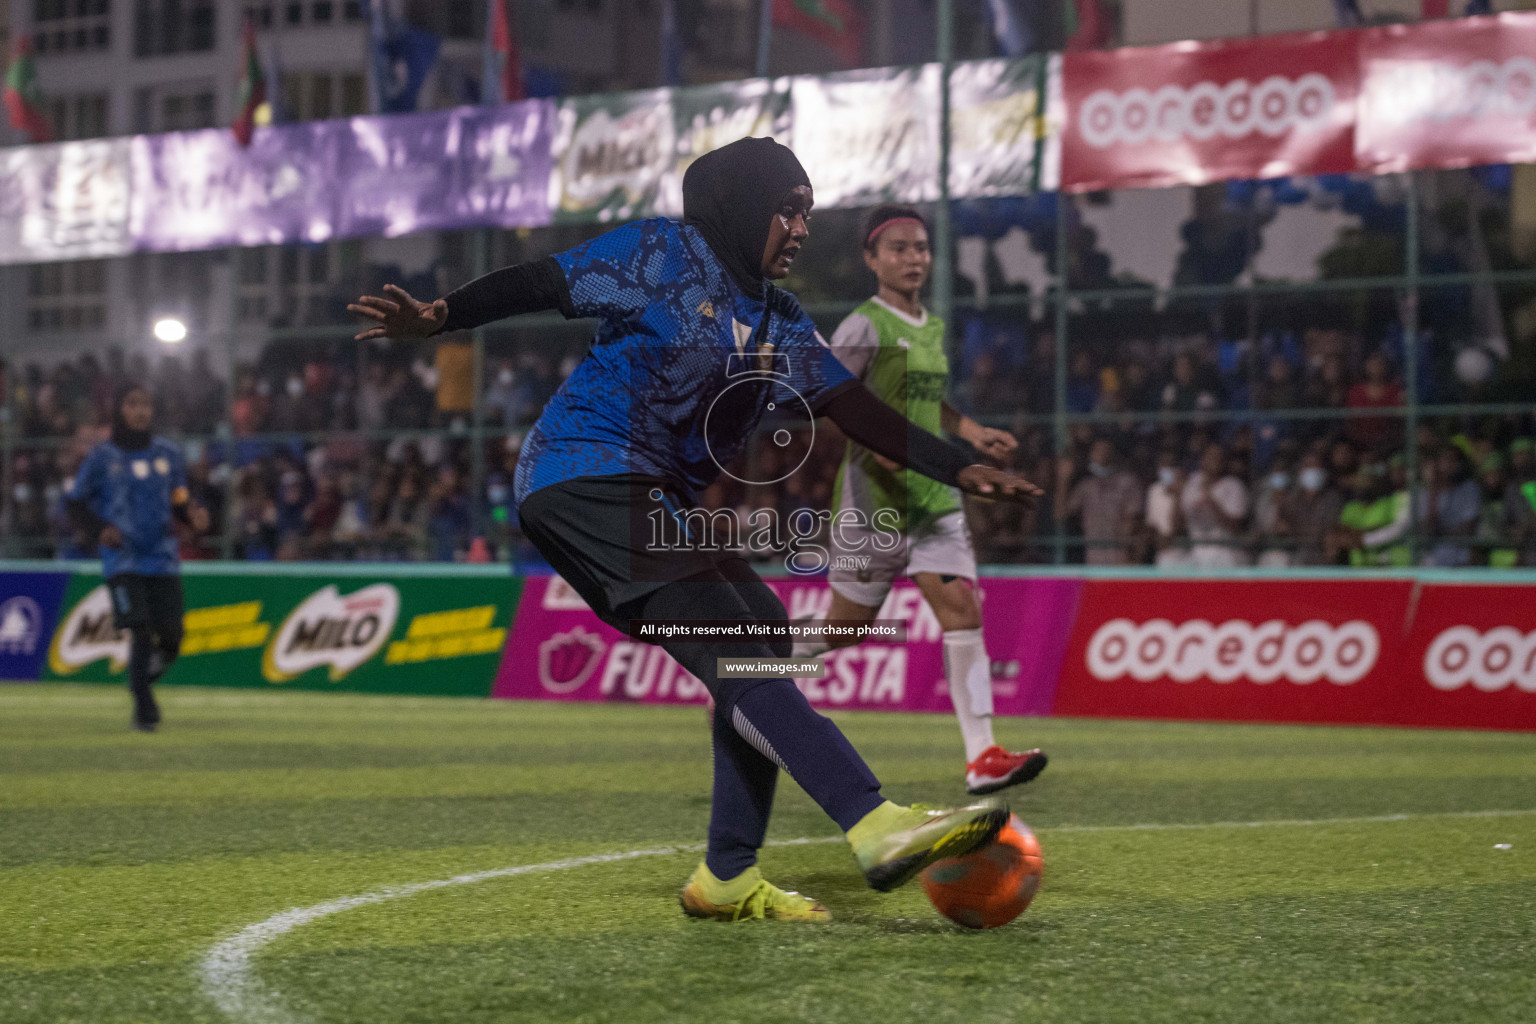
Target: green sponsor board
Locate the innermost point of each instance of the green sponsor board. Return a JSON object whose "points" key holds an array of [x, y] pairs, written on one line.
{"points": [[706, 117], [999, 129], [413, 634], [612, 153], [869, 136]]}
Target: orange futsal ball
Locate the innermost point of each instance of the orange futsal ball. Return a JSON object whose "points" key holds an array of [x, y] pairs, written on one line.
{"points": [[992, 886]]}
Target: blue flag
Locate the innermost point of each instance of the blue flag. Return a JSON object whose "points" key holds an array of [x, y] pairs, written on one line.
{"points": [[400, 57], [1013, 35], [671, 45], [1477, 7]]}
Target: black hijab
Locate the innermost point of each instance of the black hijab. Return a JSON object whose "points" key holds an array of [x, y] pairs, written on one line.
{"points": [[123, 436], [731, 194]]}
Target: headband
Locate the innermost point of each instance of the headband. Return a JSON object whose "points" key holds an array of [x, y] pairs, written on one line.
{"points": [[869, 243]]}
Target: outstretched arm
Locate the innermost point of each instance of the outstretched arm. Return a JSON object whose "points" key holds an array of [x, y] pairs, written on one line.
{"points": [[525, 288], [861, 415], [991, 442]]}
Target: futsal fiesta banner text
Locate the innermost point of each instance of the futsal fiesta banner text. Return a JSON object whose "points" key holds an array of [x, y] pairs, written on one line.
{"points": [[1435, 94]]}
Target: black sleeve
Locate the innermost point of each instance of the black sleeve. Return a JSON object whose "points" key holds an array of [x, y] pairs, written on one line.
{"points": [[525, 288], [861, 415], [85, 520]]}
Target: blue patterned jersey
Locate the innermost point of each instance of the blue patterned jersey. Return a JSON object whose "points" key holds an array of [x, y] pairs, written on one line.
{"points": [[134, 492], [682, 369]]}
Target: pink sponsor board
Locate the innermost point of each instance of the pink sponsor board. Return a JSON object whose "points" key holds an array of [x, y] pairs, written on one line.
{"points": [[559, 650]]}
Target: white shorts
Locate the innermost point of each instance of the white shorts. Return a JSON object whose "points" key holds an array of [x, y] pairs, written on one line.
{"points": [[863, 573]]}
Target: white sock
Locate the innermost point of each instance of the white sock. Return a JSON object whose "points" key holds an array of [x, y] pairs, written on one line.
{"points": [[969, 672]]}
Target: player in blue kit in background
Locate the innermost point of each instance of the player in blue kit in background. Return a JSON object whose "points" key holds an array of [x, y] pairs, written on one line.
{"points": [[694, 346], [126, 497]]}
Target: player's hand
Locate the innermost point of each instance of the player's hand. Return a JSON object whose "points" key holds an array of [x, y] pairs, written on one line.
{"points": [[889, 465], [199, 517], [998, 484], [994, 444], [398, 315], [111, 537]]}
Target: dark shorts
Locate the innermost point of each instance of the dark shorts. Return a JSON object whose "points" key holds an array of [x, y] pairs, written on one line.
{"points": [[614, 539], [146, 602]]}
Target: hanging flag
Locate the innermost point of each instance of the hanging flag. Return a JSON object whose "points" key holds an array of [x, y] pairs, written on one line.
{"points": [[1010, 31], [671, 45], [1477, 7], [833, 23], [23, 99], [1435, 9], [276, 111], [399, 59], [501, 79], [1086, 27], [253, 86], [1347, 13]]}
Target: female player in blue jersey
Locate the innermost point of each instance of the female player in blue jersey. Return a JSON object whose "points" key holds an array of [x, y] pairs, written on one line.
{"points": [[126, 495], [694, 346]]}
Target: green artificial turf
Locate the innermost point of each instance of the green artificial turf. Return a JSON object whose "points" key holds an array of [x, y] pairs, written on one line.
{"points": [[124, 858]]}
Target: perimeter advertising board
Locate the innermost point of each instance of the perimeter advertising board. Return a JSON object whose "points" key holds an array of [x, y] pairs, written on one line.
{"points": [[406, 634], [559, 650]]}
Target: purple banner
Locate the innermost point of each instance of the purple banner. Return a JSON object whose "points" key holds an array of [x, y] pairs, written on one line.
{"points": [[467, 167], [559, 650], [366, 176], [199, 190]]}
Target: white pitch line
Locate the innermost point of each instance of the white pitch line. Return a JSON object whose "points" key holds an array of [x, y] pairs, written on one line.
{"points": [[228, 979]]}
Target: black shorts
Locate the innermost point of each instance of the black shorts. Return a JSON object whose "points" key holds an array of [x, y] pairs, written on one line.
{"points": [[146, 602], [615, 539]]}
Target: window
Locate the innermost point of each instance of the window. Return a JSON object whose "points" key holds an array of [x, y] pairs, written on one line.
{"points": [[67, 296], [71, 26], [259, 15], [186, 111], [321, 12], [354, 96], [164, 27], [300, 291], [78, 117], [313, 95], [454, 19], [320, 97]]}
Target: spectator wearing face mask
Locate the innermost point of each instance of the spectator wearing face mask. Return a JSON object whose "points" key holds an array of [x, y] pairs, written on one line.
{"points": [[1164, 518], [1315, 508], [1274, 525], [1215, 504], [1108, 500]]}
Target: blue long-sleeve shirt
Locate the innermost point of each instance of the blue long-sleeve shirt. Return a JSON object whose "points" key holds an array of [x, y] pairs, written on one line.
{"points": [[135, 491]]}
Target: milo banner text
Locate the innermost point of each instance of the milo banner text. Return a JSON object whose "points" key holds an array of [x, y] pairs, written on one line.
{"points": [[382, 634]]}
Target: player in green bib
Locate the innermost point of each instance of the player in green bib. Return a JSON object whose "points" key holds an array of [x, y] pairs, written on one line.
{"points": [[889, 522]]}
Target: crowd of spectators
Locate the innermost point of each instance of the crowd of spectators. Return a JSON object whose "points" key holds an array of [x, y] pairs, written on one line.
{"points": [[1196, 450], [1222, 454]]}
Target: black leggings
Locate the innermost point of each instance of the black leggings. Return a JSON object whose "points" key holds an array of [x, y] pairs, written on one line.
{"points": [[760, 725], [150, 608]]}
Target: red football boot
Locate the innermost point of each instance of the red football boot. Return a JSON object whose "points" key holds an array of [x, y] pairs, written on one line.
{"points": [[996, 768]]}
